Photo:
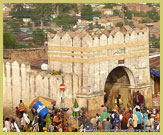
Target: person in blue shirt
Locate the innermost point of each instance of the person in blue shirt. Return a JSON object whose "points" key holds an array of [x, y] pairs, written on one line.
{"points": [[145, 115], [140, 119]]}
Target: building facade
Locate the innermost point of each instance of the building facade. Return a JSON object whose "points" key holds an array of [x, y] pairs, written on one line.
{"points": [[106, 62]]}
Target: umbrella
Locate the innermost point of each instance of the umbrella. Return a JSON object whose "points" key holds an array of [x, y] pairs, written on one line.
{"points": [[44, 100]]}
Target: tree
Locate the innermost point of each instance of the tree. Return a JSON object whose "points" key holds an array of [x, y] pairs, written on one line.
{"points": [[153, 14], [42, 12], [120, 24], [139, 14], [65, 21], [65, 8], [10, 41], [96, 14], [128, 13], [116, 12], [146, 20], [154, 41], [87, 13], [19, 12], [110, 5], [13, 25], [39, 35], [130, 23]]}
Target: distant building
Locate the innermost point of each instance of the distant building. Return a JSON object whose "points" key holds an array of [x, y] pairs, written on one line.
{"points": [[103, 22], [106, 12], [138, 7]]}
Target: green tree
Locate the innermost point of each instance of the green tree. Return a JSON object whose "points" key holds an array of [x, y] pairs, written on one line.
{"points": [[10, 41], [120, 24], [90, 26], [153, 14], [139, 14], [39, 35], [146, 20], [130, 23], [96, 14], [116, 12], [65, 8], [128, 13], [13, 25], [19, 12], [154, 41], [87, 13], [42, 12], [65, 21], [110, 5]]}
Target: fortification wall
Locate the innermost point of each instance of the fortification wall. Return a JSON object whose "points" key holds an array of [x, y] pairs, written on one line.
{"points": [[24, 54], [20, 82]]}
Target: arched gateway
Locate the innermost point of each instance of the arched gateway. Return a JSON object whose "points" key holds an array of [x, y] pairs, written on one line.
{"points": [[105, 61], [119, 82]]}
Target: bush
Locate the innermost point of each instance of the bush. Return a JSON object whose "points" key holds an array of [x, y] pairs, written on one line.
{"points": [[10, 41], [120, 24], [146, 20], [39, 35], [116, 12], [155, 41]]}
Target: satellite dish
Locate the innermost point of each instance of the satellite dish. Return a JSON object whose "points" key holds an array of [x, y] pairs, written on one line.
{"points": [[44, 66]]}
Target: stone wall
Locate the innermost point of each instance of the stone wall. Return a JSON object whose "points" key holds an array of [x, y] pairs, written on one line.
{"points": [[29, 54], [20, 82]]}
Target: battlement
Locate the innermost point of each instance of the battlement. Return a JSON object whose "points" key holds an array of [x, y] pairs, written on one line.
{"points": [[99, 33]]}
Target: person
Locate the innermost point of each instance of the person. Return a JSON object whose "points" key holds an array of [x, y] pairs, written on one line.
{"points": [[118, 101], [125, 119], [116, 121], [14, 126], [102, 109], [134, 110], [137, 97], [141, 101], [104, 115], [53, 107], [40, 124], [22, 122], [97, 119], [148, 124], [145, 116], [152, 121], [17, 112], [140, 118], [21, 107], [156, 123], [7, 124], [4, 128], [134, 99], [130, 123], [107, 125]]}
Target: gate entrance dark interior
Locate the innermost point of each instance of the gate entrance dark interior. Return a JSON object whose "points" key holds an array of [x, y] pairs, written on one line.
{"points": [[117, 82]]}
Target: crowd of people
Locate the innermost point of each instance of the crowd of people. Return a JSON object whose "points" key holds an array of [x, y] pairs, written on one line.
{"points": [[131, 118]]}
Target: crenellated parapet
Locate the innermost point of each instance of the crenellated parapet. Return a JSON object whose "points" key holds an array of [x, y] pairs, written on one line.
{"points": [[83, 46]]}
